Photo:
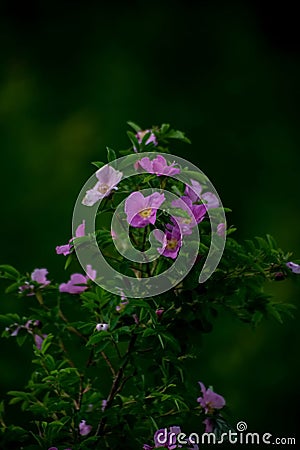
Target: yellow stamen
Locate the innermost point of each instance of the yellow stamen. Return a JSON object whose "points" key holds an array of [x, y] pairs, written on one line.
{"points": [[172, 244], [187, 221], [145, 213], [103, 188]]}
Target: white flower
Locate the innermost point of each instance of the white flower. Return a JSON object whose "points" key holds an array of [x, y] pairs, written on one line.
{"points": [[108, 179]]}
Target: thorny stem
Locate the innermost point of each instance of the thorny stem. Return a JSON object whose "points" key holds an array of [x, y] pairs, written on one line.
{"points": [[118, 384], [75, 331]]}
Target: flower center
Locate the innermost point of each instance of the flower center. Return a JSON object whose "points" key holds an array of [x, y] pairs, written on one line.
{"points": [[187, 221], [172, 244], [210, 408], [103, 188], [145, 213]]}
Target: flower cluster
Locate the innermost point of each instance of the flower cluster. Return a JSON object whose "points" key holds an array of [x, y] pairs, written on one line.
{"points": [[109, 365]]}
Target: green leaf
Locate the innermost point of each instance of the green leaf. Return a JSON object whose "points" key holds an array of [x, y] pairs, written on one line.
{"points": [[164, 128], [134, 126], [68, 261], [98, 337], [98, 164], [12, 288], [149, 332], [179, 212], [46, 343], [176, 134], [111, 154], [133, 139], [9, 272]]}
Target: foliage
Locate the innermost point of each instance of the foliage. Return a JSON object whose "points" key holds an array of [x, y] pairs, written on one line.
{"points": [[121, 364]]}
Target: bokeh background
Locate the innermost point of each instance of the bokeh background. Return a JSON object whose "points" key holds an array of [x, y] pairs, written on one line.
{"points": [[227, 73]]}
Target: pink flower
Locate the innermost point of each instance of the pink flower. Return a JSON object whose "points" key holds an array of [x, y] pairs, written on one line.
{"points": [[108, 178], [76, 284], [40, 276], [196, 214], [210, 400], [142, 210], [103, 405], [165, 438], [194, 190], [152, 138], [158, 165], [67, 248], [84, 428], [295, 268], [171, 241]]}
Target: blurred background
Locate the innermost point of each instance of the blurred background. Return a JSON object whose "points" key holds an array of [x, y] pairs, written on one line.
{"points": [[226, 73]]}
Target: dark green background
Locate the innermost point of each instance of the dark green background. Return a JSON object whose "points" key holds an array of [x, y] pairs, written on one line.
{"points": [[228, 74]]}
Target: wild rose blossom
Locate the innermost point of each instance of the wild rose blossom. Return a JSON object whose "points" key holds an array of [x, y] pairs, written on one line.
{"points": [[78, 282], [157, 166], [196, 214], [166, 438], [210, 400], [171, 241], [194, 193], [84, 428], [142, 210], [38, 276], [108, 179], [66, 249], [295, 268], [141, 134]]}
